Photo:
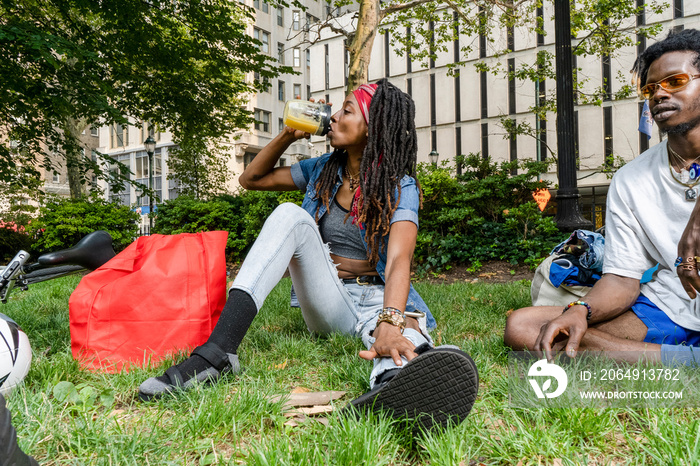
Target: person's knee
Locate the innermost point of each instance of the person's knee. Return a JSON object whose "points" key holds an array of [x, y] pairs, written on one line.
{"points": [[521, 332], [288, 212]]}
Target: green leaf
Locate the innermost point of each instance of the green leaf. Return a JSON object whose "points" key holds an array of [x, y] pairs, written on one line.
{"points": [[66, 392]]}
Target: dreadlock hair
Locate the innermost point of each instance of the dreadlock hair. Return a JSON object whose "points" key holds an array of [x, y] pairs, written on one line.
{"points": [[676, 41], [389, 155]]}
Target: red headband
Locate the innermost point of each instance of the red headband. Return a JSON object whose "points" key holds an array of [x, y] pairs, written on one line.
{"points": [[364, 95]]}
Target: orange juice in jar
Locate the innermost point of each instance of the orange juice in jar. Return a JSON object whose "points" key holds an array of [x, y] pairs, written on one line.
{"points": [[310, 117]]}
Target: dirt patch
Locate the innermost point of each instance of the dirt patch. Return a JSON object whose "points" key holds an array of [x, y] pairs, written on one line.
{"points": [[490, 272]]}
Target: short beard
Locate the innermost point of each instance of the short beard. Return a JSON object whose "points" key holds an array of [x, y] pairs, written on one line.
{"points": [[681, 129]]}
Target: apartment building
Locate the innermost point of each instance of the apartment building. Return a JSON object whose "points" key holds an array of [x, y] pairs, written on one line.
{"points": [[284, 34], [455, 114], [461, 114]]}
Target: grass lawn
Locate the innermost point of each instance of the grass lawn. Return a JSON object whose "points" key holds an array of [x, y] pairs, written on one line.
{"points": [[234, 422]]}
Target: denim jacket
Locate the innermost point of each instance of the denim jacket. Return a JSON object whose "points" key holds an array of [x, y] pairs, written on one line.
{"points": [[305, 174]]}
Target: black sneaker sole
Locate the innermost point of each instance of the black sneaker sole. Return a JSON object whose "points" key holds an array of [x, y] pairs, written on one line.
{"points": [[437, 387]]}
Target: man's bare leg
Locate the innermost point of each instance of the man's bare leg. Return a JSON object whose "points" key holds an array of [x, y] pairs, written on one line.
{"points": [[524, 325]]}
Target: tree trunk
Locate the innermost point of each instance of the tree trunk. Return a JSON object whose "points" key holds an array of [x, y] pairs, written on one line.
{"points": [[361, 46], [73, 159]]}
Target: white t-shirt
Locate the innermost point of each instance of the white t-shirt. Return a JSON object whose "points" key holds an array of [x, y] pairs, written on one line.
{"points": [[646, 215]]}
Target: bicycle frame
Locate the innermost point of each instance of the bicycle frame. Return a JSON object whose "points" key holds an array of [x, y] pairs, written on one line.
{"points": [[89, 253], [20, 274]]}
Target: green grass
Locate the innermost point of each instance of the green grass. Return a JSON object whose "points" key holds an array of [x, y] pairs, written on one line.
{"points": [[234, 422]]}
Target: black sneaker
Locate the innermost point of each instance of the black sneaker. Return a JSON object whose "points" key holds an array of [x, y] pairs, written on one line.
{"points": [[437, 387]]}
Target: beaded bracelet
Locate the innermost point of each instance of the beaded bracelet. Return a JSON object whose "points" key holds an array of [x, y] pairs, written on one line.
{"points": [[579, 303]]}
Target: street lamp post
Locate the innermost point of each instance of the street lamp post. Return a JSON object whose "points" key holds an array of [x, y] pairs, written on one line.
{"points": [[150, 145], [568, 216], [433, 157]]}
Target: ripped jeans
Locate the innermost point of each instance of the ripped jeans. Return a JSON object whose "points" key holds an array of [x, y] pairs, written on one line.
{"points": [[290, 239]]}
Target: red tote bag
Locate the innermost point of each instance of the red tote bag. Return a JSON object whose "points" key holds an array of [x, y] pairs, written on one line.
{"points": [[162, 294]]}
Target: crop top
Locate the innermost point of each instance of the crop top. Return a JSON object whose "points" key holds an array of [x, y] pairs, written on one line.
{"points": [[343, 237]]}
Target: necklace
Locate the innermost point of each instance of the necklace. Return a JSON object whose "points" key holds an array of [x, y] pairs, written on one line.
{"points": [[684, 164], [354, 180], [691, 193]]}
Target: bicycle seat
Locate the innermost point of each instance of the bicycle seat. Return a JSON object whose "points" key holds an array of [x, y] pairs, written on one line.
{"points": [[91, 252]]}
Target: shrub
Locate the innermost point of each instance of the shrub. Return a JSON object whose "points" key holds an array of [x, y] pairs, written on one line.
{"points": [[486, 213], [11, 241], [63, 222], [242, 216]]}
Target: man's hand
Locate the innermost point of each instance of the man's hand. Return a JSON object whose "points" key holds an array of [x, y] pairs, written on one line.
{"points": [[389, 342], [571, 323], [688, 248]]}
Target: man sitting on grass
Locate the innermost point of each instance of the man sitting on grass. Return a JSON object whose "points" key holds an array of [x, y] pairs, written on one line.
{"points": [[652, 217]]}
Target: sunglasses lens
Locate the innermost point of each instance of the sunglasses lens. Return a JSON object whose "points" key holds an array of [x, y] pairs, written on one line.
{"points": [[672, 83], [675, 82]]}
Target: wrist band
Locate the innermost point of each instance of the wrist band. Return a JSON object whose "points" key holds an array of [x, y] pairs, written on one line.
{"points": [[579, 303]]}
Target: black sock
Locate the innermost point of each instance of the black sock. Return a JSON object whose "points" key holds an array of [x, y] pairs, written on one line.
{"points": [[235, 319]]}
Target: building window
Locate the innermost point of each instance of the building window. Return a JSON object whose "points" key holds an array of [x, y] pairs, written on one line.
{"points": [[458, 98], [261, 5], [247, 158], [280, 53], [431, 27], [149, 129], [641, 21], [433, 110], [94, 132], [511, 86], [484, 95], [513, 152], [280, 16], [607, 78], [296, 18], [608, 135], [297, 91], [262, 120], [308, 92], [482, 36], [458, 146], [485, 140], [327, 66], [310, 19], [540, 24], [264, 38], [142, 176], [283, 162], [409, 86], [678, 9], [387, 51], [119, 136], [280, 90], [56, 178], [409, 67], [297, 57], [308, 59], [346, 61], [280, 125]]}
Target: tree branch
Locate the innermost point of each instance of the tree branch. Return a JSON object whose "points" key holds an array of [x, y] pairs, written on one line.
{"points": [[401, 7]]}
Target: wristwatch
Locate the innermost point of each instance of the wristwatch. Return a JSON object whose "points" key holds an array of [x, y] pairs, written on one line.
{"points": [[392, 316]]}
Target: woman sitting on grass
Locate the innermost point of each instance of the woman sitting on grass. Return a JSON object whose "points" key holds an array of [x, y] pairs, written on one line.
{"points": [[348, 249]]}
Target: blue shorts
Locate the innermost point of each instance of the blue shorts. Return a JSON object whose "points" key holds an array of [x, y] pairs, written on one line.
{"points": [[661, 329]]}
